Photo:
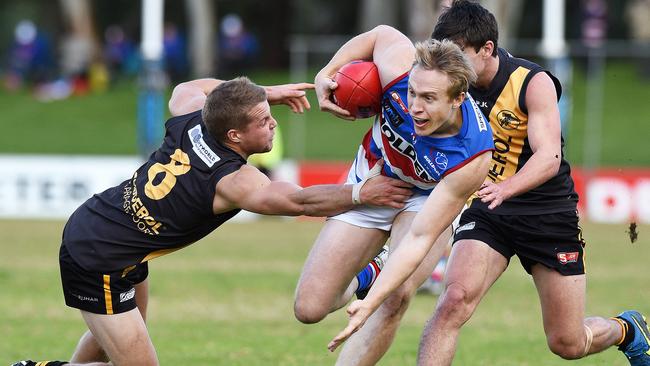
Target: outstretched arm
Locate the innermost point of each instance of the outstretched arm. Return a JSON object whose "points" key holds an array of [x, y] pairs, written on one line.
{"points": [[439, 211], [390, 50], [251, 190], [190, 96]]}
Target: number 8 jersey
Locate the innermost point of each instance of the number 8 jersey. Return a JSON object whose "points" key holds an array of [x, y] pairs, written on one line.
{"points": [[164, 206]]}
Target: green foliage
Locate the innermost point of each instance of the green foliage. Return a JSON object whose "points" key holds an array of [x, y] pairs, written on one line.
{"points": [[625, 119], [92, 124], [227, 300], [106, 124]]}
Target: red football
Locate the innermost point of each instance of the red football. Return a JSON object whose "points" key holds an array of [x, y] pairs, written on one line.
{"points": [[359, 88]]}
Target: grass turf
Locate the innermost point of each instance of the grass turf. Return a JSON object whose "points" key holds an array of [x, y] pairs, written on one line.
{"points": [[227, 300]]}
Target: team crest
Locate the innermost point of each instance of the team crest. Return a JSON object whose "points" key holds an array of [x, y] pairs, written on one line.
{"points": [[126, 296], [441, 160], [508, 120]]}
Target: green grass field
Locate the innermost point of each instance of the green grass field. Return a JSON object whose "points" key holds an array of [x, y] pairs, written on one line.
{"points": [[227, 300], [106, 124]]}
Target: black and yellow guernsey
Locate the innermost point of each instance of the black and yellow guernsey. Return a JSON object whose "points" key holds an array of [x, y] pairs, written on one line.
{"points": [[164, 206], [504, 103]]}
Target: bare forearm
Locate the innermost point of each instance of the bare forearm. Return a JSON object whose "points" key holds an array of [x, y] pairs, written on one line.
{"points": [[375, 190], [541, 167], [437, 214], [403, 262], [544, 137], [324, 200]]}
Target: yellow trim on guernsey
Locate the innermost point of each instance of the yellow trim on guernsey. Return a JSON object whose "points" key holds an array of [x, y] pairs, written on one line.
{"points": [[107, 295]]}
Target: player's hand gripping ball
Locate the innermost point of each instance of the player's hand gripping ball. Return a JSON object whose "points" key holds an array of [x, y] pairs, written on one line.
{"points": [[359, 89]]}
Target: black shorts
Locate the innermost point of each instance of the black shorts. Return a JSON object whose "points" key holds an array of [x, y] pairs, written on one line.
{"points": [[554, 240], [99, 293]]}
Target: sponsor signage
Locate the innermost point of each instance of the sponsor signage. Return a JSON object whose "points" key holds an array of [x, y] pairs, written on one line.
{"points": [[54, 186], [35, 186], [201, 148], [606, 195], [565, 258], [614, 195]]}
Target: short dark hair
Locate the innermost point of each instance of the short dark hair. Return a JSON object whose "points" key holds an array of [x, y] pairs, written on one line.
{"points": [[228, 105], [468, 24]]}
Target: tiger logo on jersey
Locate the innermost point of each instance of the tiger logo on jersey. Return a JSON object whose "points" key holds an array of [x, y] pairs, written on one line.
{"points": [[508, 120]]}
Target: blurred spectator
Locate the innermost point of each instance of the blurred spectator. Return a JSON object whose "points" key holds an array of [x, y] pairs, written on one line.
{"points": [[594, 22], [175, 53], [55, 90], [30, 57], [638, 16], [120, 53], [77, 53], [238, 49], [82, 71]]}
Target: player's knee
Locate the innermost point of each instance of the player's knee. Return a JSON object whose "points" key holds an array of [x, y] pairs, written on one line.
{"points": [[455, 304], [133, 350], [309, 312], [566, 347], [396, 304]]}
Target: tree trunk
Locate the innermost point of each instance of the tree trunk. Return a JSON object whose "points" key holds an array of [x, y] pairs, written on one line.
{"points": [[507, 13], [376, 12], [422, 17], [80, 45], [202, 40]]}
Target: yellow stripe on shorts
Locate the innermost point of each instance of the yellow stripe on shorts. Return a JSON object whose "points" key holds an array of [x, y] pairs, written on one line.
{"points": [[107, 294]]}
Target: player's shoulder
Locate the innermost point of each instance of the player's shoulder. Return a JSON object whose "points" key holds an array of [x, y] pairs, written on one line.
{"points": [[513, 62], [475, 120], [242, 177], [238, 184], [393, 53], [244, 172], [192, 136], [471, 169], [183, 118], [528, 70]]}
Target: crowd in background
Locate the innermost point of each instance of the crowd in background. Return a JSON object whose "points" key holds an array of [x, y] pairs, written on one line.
{"points": [[55, 68], [56, 71]]}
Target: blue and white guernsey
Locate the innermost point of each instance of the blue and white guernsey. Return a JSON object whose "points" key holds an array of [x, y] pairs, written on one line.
{"points": [[420, 160]]}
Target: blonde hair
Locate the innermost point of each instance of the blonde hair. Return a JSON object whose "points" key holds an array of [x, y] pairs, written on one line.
{"points": [[446, 57]]}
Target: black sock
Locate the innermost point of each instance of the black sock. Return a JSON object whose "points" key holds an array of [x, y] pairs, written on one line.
{"points": [[629, 334]]}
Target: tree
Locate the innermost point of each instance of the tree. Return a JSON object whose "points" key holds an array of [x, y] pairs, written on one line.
{"points": [[202, 40], [80, 46]]}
